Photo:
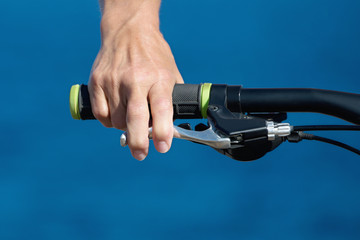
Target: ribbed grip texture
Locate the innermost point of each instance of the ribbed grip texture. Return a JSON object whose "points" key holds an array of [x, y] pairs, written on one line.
{"points": [[84, 103], [186, 102]]}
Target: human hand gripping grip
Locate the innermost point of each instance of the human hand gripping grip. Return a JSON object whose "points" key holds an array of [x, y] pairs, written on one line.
{"points": [[188, 101], [244, 124]]}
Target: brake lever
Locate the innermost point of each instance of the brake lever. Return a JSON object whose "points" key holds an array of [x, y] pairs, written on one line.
{"points": [[213, 139], [207, 137]]}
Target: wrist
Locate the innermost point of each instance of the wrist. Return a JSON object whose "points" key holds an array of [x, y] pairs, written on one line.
{"points": [[131, 14]]}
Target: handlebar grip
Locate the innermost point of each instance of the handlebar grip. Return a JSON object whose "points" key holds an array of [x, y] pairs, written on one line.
{"points": [[186, 102]]}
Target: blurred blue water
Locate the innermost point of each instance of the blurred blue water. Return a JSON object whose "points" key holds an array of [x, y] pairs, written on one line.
{"points": [[65, 179]]}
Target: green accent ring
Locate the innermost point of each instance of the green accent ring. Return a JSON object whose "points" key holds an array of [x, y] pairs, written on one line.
{"points": [[74, 101], [205, 97]]}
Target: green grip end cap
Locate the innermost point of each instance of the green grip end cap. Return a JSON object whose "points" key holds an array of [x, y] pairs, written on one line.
{"points": [[74, 101], [205, 97]]}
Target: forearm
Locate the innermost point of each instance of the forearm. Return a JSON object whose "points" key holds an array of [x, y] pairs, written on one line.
{"points": [[116, 13]]}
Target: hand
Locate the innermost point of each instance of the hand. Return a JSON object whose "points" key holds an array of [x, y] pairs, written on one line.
{"points": [[135, 68]]}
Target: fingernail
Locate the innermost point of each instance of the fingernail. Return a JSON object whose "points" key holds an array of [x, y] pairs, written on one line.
{"points": [[163, 147], [139, 155]]}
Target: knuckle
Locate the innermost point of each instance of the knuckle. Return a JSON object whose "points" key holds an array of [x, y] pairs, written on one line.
{"points": [[165, 75], [162, 134], [137, 109], [138, 143], [96, 77], [109, 78], [162, 105], [100, 113], [135, 75], [140, 76], [139, 79], [143, 75]]}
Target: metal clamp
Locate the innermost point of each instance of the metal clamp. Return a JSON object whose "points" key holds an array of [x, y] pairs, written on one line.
{"points": [[277, 130]]}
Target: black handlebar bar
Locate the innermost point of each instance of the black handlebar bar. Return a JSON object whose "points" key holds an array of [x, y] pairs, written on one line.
{"points": [[339, 104], [190, 101]]}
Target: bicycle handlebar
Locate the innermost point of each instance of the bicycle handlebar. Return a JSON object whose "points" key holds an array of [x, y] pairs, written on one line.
{"points": [[186, 101], [190, 101]]}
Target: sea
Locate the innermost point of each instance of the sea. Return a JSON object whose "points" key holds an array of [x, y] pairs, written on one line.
{"points": [[66, 179]]}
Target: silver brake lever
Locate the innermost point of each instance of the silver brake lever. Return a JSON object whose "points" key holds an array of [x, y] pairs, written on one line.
{"points": [[207, 137]]}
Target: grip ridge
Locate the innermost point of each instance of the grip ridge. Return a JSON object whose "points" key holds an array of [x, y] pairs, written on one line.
{"points": [[186, 101]]}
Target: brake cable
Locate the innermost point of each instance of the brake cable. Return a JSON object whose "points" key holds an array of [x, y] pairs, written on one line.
{"points": [[297, 135], [326, 128]]}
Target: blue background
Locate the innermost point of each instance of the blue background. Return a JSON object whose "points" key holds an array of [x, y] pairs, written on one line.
{"points": [[66, 179]]}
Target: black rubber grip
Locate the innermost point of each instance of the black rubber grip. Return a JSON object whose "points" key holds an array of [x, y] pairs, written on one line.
{"points": [[85, 104], [186, 102]]}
